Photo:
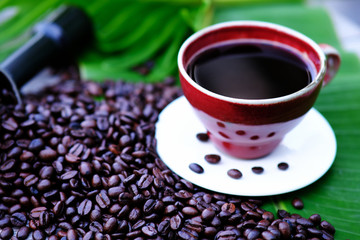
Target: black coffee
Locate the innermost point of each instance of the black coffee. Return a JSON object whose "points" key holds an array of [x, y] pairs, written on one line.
{"points": [[250, 70]]}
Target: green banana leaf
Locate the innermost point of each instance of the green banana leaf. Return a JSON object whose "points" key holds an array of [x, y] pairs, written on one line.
{"points": [[336, 196]]}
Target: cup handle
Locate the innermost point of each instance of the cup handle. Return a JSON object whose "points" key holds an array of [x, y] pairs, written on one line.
{"points": [[333, 61]]}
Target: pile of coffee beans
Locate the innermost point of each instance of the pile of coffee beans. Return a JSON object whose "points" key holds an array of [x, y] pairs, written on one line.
{"points": [[79, 161]]}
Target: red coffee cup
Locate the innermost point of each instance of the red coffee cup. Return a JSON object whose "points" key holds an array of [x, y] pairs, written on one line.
{"points": [[253, 128]]}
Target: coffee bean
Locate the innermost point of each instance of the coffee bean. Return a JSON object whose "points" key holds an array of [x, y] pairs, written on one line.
{"points": [[325, 225], [304, 222], [46, 172], [149, 231], [257, 170], [102, 123], [76, 149], [71, 235], [212, 158], [134, 214], [84, 207], [175, 222], [5, 221], [36, 144], [315, 218], [89, 235], [69, 175], [110, 225], [38, 235], [297, 203], [196, 168], [283, 166], [10, 125], [225, 235], [234, 173], [284, 229], [48, 154], [30, 180], [203, 137], [71, 158], [18, 219], [253, 234], [145, 181], [96, 227], [208, 214], [183, 194], [6, 233], [58, 208], [23, 232], [43, 185], [191, 211], [102, 199]]}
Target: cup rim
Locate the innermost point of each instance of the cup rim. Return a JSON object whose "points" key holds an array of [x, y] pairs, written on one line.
{"points": [[316, 79]]}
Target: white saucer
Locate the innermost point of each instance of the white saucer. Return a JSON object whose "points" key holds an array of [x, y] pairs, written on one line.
{"points": [[309, 149]]}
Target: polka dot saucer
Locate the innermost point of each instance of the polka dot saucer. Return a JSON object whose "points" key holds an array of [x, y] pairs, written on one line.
{"points": [[309, 151]]}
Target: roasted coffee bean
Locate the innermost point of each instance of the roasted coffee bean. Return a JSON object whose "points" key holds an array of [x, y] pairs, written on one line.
{"points": [[30, 180], [149, 206], [46, 172], [327, 227], [284, 229], [45, 218], [26, 156], [257, 170], [315, 218], [8, 165], [134, 214], [203, 137], [38, 235], [10, 125], [283, 166], [95, 215], [225, 235], [102, 199], [84, 207], [183, 194], [208, 214], [48, 154], [267, 235], [314, 232], [282, 213], [23, 232], [89, 235], [43, 185], [304, 222], [96, 227], [234, 173], [110, 225], [85, 168], [71, 158], [53, 237], [175, 222], [71, 234], [190, 211], [35, 212], [149, 231], [69, 175], [18, 219], [212, 158], [297, 203], [6, 233], [196, 168]]}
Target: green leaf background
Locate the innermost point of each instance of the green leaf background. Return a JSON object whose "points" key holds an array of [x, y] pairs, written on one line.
{"points": [[130, 33]]}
